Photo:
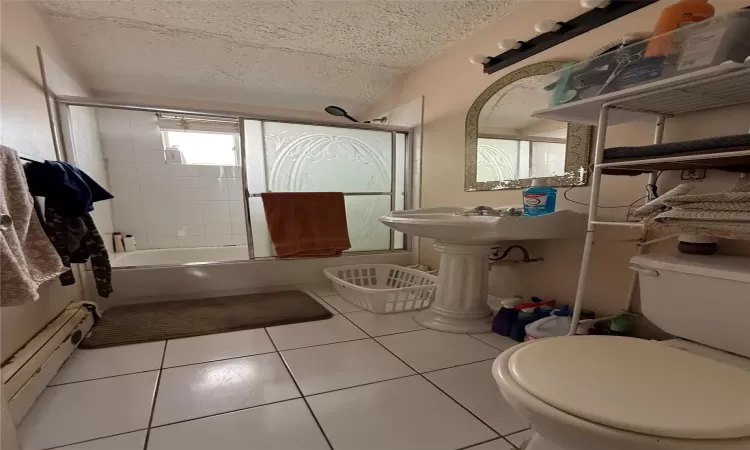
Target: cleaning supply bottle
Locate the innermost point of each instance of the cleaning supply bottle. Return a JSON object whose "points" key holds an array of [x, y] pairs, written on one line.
{"points": [[539, 199], [681, 14], [508, 313]]}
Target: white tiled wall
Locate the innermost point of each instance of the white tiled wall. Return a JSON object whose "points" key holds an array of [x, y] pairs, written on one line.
{"points": [[167, 205]]}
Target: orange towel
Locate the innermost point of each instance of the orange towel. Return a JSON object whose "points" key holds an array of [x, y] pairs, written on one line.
{"points": [[307, 224]]}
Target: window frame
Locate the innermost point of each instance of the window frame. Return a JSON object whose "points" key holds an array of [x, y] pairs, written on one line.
{"points": [[235, 136], [531, 140]]}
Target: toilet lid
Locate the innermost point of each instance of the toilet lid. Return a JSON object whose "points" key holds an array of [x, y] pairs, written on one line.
{"points": [[636, 385]]}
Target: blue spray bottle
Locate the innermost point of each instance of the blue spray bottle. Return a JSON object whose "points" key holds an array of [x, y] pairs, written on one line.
{"points": [[539, 199]]}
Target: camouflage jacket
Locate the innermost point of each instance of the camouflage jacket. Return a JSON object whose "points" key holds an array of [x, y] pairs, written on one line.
{"points": [[76, 240]]}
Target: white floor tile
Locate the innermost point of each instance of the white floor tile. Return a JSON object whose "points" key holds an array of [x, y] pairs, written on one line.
{"points": [[341, 305], [190, 392], [323, 290], [408, 414], [495, 340], [474, 387], [427, 350], [79, 412], [336, 366], [320, 300], [129, 441], [281, 426], [87, 364], [214, 347], [497, 444], [381, 324], [335, 329], [520, 439]]}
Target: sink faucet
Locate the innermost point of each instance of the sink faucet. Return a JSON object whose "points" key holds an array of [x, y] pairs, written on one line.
{"points": [[490, 211]]}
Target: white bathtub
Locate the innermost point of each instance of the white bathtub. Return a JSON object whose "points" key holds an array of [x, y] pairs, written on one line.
{"points": [[156, 276], [178, 256]]}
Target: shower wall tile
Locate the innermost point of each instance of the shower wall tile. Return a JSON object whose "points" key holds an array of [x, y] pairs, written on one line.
{"points": [[218, 229], [161, 242], [167, 205], [192, 230], [137, 231]]}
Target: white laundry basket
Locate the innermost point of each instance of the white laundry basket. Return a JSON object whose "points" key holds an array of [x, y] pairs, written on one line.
{"points": [[383, 288]]}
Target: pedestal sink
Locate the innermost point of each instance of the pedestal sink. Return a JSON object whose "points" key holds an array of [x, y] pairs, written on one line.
{"points": [[465, 237]]}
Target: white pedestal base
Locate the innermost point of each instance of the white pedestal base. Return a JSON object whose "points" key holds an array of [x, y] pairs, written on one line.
{"points": [[460, 304]]}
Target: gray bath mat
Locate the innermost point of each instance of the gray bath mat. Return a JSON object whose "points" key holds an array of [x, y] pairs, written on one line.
{"points": [[133, 324]]}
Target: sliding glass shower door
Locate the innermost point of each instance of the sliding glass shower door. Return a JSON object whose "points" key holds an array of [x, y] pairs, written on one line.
{"points": [[369, 166]]}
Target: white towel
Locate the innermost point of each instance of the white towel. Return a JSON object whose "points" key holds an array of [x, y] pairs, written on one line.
{"points": [[27, 258], [721, 214]]}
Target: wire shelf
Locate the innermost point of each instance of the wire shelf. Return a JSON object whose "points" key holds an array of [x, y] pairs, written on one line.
{"points": [[715, 87]]}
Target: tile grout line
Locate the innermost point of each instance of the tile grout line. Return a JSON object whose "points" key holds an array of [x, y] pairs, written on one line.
{"points": [[485, 343], [433, 384], [103, 378], [360, 385], [459, 365], [321, 345], [231, 411], [482, 443], [94, 439], [513, 434], [304, 399], [156, 394]]}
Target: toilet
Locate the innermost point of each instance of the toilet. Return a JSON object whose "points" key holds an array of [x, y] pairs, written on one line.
{"points": [[621, 393]]}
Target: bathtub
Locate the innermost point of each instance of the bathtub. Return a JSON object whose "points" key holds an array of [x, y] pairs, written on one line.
{"points": [[178, 256], [147, 276]]}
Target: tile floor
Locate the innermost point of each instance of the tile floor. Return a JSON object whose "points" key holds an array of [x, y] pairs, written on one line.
{"points": [[357, 381]]}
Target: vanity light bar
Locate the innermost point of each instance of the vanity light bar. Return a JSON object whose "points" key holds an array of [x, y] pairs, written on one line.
{"points": [[603, 13]]}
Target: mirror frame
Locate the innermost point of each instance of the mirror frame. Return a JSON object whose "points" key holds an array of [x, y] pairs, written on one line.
{"points": [[577, 148]]}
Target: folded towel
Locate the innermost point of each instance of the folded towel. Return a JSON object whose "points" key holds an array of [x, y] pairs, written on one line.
{"points": [[722, 229], [27, 258], [307, 224]]}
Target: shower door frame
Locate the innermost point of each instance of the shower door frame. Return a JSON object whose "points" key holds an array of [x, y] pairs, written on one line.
{"points": [[409, 155]]}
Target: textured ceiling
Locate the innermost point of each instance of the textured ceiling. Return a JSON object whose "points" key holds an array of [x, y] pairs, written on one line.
{"points": [[298, 54]]}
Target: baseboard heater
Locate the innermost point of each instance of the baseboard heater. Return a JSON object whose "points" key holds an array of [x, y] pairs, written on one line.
{"points": [[30, 369]]}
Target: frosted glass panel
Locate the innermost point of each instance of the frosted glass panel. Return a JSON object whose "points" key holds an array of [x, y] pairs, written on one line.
{"points": [[497, 159], [365, 231], [547, 159], [308, 158]]}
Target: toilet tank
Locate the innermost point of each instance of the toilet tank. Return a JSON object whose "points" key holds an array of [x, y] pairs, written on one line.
{"points": [[705, 299]]}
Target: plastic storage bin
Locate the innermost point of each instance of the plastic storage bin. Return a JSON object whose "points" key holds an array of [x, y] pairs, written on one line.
{"points": [[383, 288], [695, 47]]}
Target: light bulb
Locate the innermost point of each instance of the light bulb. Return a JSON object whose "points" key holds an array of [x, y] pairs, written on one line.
{"points": [[479, 59], [508, 44], [547, 26], [591, 4]]}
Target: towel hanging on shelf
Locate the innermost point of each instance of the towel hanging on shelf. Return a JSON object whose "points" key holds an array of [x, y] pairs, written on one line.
{"points": [[27, 258]]}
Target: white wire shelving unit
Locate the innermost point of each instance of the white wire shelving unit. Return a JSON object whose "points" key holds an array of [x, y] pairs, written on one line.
{"points": [[724, 85]]}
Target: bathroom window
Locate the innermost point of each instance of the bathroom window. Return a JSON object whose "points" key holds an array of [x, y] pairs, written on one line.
{"points": [[218, 149], [200, 140], [367, 165], [501, 158]]}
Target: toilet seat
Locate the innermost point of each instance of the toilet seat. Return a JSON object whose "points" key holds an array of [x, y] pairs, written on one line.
{"points": [[636, 385]]}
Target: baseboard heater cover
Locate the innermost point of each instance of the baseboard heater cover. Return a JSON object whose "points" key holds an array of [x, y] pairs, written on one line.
{"points": [[30, 369]]}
